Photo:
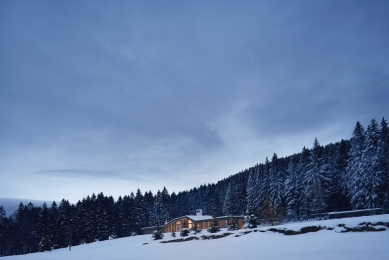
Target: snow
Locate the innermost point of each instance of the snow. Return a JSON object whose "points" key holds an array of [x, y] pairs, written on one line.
{"points": [[324, 244], [198, 218]]}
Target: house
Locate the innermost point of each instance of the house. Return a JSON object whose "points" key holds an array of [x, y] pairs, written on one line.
{"points": [[199, 220]]}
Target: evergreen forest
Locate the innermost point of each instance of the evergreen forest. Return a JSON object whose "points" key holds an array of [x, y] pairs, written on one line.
{"points": [[347, 175]]}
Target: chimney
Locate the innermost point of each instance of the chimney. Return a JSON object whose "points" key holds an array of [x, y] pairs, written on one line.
{"points": [[199, 212]]}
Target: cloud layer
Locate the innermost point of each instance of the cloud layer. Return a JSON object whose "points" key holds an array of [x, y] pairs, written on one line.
{"points": [[112, 96]]}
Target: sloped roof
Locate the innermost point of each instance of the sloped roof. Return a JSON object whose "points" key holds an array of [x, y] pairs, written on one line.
{"points": [[198, 218]]}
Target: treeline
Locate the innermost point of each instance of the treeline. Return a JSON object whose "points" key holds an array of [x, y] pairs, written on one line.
{"points": [[348, 175]]}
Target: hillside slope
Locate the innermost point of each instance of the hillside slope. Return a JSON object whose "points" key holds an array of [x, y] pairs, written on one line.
{"points": [[324, 244]]}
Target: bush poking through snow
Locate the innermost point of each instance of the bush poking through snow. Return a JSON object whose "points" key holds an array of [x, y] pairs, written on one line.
{"points": [[180, 240], [157, 234], [310, 229], [194, 230], [215, 236], [185, 230], [233, 225], [214, 226]]}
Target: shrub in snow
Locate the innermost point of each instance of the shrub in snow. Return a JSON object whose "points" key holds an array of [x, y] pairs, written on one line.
{"points": [[157, 234], [233, 225], [194, 230], [214, 226], [250, 219], [173, 234], [185, 230]]}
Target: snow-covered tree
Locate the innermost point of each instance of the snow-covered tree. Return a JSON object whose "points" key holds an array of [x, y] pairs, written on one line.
{"points": [[355, 182], [228, 204], [371, 174], [214, 226], [233, 225], [250, 218], [384, 159], [157, 233], [184, 229], [292, 194], [316, 180], [277, 179]]}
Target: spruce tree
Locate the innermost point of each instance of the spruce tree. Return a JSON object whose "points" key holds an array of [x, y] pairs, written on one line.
{"points": [[233, 225], [371, 175], [45, 243], [214, 226], [384, 159], [184, 229], [157, 233], [355, 182], [228, 204], [276, 184], [250, 218], [292, 191], [316, 180]]}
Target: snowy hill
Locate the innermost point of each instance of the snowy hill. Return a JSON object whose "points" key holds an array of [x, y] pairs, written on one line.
{"points": [[331, 242]]}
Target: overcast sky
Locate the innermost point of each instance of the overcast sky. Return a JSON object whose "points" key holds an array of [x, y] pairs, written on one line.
{"points": [[111, 96]]}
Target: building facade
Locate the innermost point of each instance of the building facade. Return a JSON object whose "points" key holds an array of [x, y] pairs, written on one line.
{"points": [[199, 220]]}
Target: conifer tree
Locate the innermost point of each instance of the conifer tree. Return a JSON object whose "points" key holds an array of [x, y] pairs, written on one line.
{"points": [[184, 229], [140, 211], [228, 203], [45, 243], [292, 188], [250, 218], [356, 186], [316, 180], [276, 184], [384, 159], [371, 175], [55, 229], [233, 225], [157, 233], [214, 226]]}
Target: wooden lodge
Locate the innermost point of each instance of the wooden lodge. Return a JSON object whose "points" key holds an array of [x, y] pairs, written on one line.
{"points": [[199, 220]]}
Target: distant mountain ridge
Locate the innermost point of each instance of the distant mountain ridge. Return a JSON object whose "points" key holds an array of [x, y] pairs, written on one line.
{"points": [[10, 205]]}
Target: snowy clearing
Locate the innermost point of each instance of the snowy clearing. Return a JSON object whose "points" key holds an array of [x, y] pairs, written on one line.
{"points": [[324, 244]]}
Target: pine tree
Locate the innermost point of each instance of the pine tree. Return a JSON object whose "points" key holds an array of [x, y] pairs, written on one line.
{"points": [[276, 184], [55, 226], [184, 229], [304, 199], [233, 225], [157, 233], [214, 226], [228, 204], [45, 243], [372, 177], [384, 160], [3, 232], [149, 207], [316, 180], [140, 211], [355, 184], [250, 218], [292, 191]]}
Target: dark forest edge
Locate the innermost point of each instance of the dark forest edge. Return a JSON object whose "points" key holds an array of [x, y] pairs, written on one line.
{"points": [[348, 175]]}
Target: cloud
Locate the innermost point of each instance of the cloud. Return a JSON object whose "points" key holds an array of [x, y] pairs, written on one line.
{"points": [[150, 92]]}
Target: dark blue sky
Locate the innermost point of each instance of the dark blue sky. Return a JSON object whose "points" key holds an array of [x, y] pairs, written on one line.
{"points": [[113, 96]]}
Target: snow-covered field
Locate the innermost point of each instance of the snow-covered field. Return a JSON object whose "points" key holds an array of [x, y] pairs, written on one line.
{"points": [[324, 244]]}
